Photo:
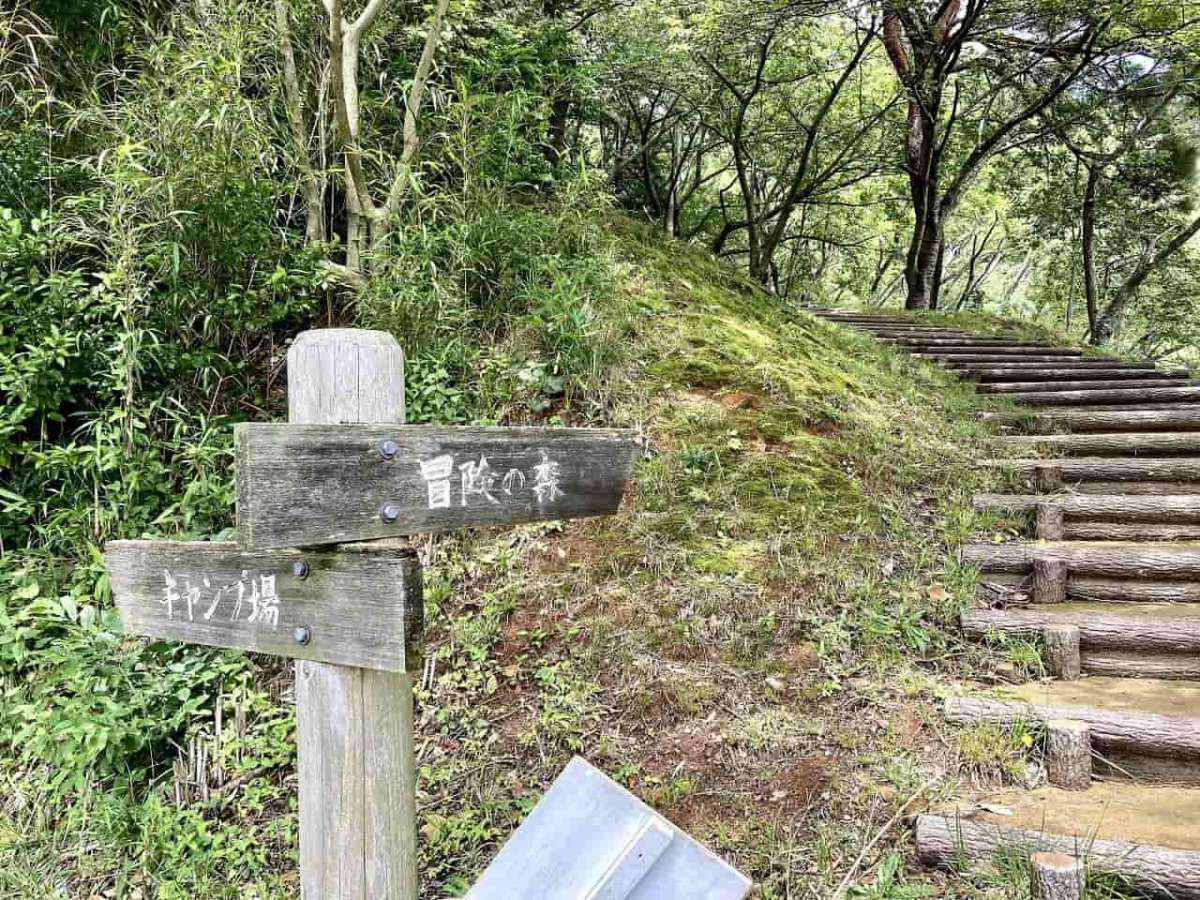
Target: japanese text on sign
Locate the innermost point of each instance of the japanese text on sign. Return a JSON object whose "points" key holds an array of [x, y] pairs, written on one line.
{"points": [[478, 480], [251, 599]]}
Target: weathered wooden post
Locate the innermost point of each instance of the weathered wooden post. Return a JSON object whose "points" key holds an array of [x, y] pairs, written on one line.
{"points": [[1049, 522], [1050, 580], [1069, 754], [1062, 651], [354, 727]]}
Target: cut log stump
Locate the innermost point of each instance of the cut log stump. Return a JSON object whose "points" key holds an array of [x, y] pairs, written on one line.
{"points": [[1069, 754], [1058, 876], [1062, 646], [1050, 524], [1047, 478], [1049, 581]]}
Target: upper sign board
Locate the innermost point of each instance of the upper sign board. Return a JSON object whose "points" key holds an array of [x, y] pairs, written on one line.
{"points": [[304, 485]]}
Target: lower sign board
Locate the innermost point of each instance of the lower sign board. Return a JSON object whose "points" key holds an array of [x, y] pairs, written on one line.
{"points": [[300, 485], [357, 606], [590, 839]]}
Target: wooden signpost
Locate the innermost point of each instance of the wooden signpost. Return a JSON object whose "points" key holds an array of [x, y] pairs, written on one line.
{"points": [[346, 469]]}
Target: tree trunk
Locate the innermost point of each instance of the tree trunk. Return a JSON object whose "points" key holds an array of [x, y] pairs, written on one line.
{"points": [[671, 213], [1090, 289], [925, 247], [935, 287]]}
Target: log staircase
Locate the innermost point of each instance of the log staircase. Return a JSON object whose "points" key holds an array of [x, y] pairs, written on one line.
{"points": [[1109, 583]]}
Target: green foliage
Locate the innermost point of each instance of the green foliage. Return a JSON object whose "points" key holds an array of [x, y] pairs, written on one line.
{"points": [[153, 267]]}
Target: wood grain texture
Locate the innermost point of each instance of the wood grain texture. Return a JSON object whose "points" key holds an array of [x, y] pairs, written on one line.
{"points": [[1114, 628], [1156, 443], [1049, 522], [1062, 650], [1151, 734], [1172, 508], [940, 343], [1069, 754], [1020, 367], [361, 607], [994, 585], [1103, 469], [903, 332], [1047, 477], [305, 485], [1010, 375], [1142, 488], [953, 362], [1166, 418], [1141, 664], [1135, 531], [1106, 395], [1055, 386], [354, 728], [1049, 580], [992, 353], [1058, 876], [1106, 559], [1159, 871]]}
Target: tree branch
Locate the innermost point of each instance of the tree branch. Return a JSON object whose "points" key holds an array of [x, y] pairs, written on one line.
{"points": [[416, 95]]}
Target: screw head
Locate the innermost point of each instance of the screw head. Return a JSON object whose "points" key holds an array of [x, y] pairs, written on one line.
{"points": [[388, 449], [300, 569], [390, 512], [302, 634]]}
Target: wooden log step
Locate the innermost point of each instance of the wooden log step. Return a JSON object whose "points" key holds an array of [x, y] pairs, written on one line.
{"points": [[1143, 395], [1005, 375], [1111, 560], [952, 360], [1132, 531], [1177, 469], [1167, 417], [950, 341], [891, 337], [1132, 640], [1030, 387], [862, 322], [1012, 587], [965, 353], [1153, 724], [1017, 366], [1179, 509], [1143, 834], [832, 313], [1100, 444], [1144, 488], [894, 330]]}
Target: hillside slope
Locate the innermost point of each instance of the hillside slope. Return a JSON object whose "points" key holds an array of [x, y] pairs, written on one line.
{"points": [[755, 645]]}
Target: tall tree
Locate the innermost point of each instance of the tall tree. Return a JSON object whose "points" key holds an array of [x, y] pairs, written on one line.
{"points": [[979, 73], [369, 216], [1122, 132]]}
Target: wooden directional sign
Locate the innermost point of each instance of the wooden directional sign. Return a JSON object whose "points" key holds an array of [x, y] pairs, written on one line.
{"points": [[360, 606], [304, 485]]}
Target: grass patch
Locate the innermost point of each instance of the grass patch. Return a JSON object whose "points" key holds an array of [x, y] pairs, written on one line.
{"points": [[757, 644]]}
